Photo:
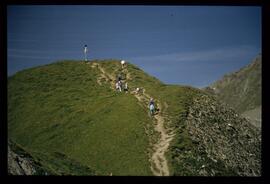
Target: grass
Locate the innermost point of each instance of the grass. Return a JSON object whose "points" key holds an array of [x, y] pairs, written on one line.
{"points": [[60, 108], [178, 98]]}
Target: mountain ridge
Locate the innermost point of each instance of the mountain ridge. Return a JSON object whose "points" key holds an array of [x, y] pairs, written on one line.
{"points": [[242, 90], [72, 108]]}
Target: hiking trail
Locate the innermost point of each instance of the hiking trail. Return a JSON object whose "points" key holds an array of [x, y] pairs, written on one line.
{"points": [[103, 75], [159, 165]]}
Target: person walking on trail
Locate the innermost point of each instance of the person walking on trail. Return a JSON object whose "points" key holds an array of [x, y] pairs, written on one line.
{"points": [[85, 52], [151, 101], [126, 87], [119, 77], [137, 90], [116, 86], [120, 85], [123, 63], [152, 106]]}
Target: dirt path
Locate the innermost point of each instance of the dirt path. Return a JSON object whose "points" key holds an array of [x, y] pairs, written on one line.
{"points": [[103, 75], [159, 165]]}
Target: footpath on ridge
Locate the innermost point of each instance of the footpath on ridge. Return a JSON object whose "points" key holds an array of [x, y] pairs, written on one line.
{"points": [[159, 165]]}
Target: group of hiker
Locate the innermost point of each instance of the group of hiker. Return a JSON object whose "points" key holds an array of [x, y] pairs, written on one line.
{"points": [[120, 86], [124, 87]]}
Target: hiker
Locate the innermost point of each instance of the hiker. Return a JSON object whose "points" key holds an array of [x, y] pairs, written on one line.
{"points": [[122, 63], [85, 52], [126, 87], [137, 90], [152, 106], [152, 102], [116, 86], [119, 77], [120, 85]]}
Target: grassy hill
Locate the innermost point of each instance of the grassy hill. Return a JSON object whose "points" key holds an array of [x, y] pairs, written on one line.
{"points": [[61, 107], [70, 108]]}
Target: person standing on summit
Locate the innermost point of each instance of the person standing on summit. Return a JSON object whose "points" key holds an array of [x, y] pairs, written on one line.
{"points": [[85, 52]]}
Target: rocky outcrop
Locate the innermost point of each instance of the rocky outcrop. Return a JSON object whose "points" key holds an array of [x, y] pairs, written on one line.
{"points": [[224, 138], [22, 163]]}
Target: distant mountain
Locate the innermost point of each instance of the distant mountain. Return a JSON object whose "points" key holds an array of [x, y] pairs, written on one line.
{"points": [[70, 120], [242, 90]]}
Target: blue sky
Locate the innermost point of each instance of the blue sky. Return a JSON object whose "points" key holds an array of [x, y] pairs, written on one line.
{"points": [[187, 45]]}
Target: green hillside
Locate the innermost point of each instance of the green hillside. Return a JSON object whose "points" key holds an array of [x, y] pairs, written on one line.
{"points": [[71, 108], [61, 107]]}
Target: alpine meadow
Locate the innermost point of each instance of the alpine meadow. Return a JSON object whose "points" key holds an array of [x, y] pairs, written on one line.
{"points": [[67, 118]]}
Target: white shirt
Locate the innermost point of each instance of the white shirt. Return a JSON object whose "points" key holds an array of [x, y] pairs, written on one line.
{"points": [[85, 49]]}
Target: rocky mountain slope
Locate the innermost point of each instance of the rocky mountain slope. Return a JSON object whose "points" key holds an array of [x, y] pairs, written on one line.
{"points": [[71, 113], [22, 162], [221, 142], [242, 90]]}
